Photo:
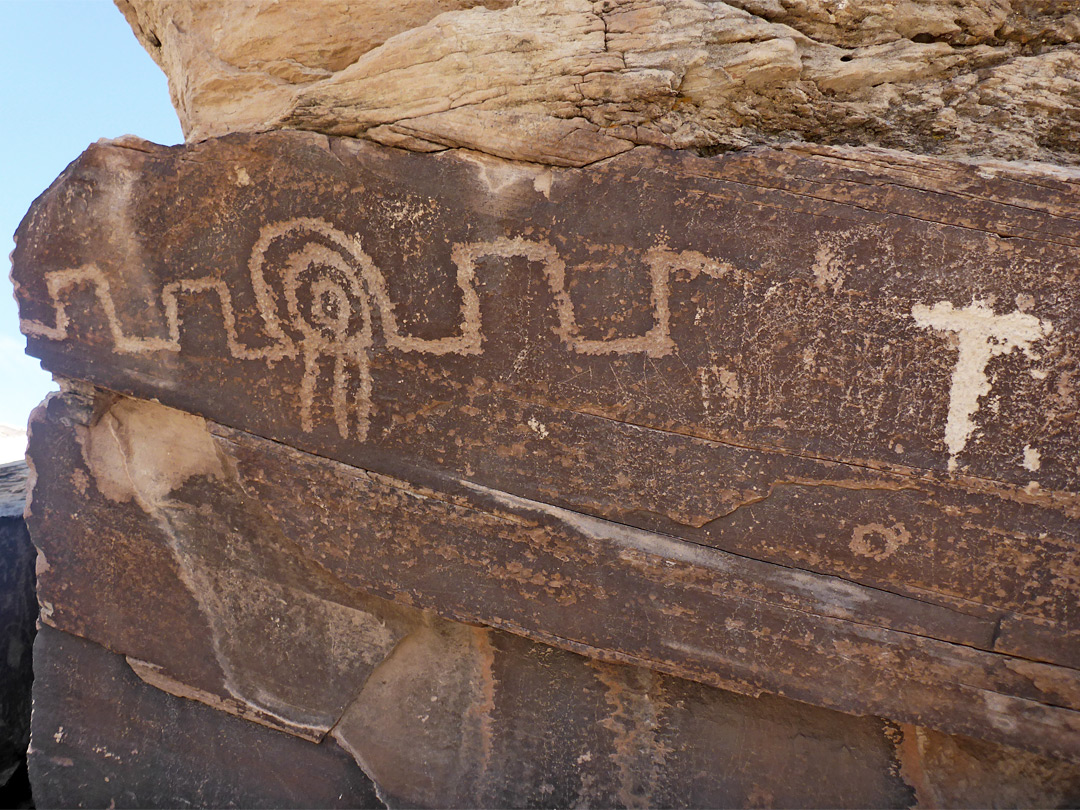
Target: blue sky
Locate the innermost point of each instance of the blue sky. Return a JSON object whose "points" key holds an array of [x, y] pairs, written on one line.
{"points": [[71, 72]]}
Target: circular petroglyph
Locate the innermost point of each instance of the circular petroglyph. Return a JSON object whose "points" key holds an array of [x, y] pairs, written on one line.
{"points": [[877, 541], [320, 275]]}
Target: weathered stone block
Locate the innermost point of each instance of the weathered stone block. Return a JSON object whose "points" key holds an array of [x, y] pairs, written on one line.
{"points": [[453, 715], [963, 772], [570, 82], [511, 723], [18, 615], [104, 738], [792, 422]]}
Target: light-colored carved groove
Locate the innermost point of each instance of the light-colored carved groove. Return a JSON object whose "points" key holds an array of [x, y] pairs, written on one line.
{"points": [[359, 281]]}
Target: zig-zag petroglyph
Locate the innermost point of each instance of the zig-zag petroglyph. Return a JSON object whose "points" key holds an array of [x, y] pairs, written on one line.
{"points": [[344, 287], [330, 289]]}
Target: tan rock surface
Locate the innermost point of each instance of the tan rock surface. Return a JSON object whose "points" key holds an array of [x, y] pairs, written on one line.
{"points": [[568, 82]]}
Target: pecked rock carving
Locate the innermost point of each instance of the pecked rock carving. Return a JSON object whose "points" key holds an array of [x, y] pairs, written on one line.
{"points": [[342, 283], [470, 441], [571, 398], [981, 335], [335, 319]]}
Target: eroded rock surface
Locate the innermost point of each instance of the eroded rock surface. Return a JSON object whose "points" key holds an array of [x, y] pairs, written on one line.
{"points": [[540, 422], [104, 738], [569, 82], [559, 468], [18, 615], [452, 715]]}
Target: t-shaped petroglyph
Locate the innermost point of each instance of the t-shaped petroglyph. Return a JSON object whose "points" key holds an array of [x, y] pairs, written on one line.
{"points": [[981, 335], [318, 291]]}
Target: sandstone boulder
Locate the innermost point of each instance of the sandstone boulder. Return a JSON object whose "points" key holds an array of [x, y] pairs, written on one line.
{"points": [[566, 403], [569, 82]]}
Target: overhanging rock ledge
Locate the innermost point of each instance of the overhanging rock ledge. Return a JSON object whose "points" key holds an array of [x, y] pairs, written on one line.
{"points": [[433, 433]]}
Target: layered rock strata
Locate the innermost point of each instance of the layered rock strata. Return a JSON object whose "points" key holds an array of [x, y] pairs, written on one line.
{"points": [[569, 82], [399, 387], [493, 434]]}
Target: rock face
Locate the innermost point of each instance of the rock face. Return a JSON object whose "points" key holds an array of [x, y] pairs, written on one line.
{"points": [[566, 466], [362, 435], [449, 715], [569, 82], [18, 615], [104, 737]]}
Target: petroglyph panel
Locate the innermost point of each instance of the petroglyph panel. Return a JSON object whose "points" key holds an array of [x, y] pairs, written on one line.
{"points": [[718, 307], [848, 364]]}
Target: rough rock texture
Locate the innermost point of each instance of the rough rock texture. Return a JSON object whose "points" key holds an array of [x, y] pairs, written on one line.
{"points": [[640, 478], [538, 422], [568, 82], [104, 738], [962, 772], [18, 615], [453, 715]]}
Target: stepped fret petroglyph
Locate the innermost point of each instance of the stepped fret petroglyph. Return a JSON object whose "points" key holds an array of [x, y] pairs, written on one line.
{"points": [[327, 283], [331, 289]]}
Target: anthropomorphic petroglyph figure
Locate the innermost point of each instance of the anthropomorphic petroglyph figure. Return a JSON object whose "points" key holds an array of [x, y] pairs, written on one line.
{"points": [[317, 274]]}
